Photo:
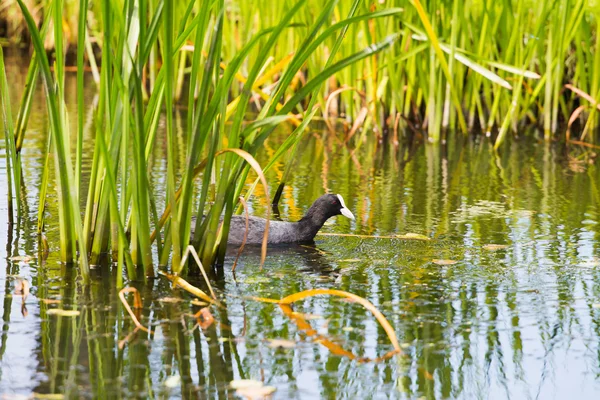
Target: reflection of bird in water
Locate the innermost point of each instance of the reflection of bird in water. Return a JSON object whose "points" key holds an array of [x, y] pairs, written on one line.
{"points": [[307, 257]]}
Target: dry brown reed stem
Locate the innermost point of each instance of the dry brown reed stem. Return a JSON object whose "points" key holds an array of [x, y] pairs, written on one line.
{"points": [[330, 99], [286, 301], [137, 303], [190, 249], [585, 144], [333, 347], [254, 164], [183, 284], [401, 237], [358, 122], [583, 94], [127, 338], [245, 205], [573, 118]]}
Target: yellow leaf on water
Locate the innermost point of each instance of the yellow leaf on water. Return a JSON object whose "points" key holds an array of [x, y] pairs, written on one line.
{"points": [[63, 313], [494, 247], [48, 396], [197, 302], [413, 236], [444, 262], [281, 343]]}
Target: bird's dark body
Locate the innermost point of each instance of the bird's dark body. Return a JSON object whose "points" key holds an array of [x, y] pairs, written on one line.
{"points": [[304, 230], [279, 231]]}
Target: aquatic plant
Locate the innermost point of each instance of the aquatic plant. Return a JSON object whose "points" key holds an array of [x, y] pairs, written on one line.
{"points": [[479, 66], [219, 144]]}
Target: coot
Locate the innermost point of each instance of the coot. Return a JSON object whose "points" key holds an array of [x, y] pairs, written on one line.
{"points": [[325, 207]]}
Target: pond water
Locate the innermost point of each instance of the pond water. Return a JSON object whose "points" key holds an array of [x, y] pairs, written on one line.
{"points": [[512, 310]]}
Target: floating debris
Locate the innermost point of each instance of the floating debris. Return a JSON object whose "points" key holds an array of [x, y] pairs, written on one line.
{"points": [[170, 300], [494, 247], [48, 396], [24, 258], [172, 381], [63, 313], [444, 262], [251, 389], [50, 301], [197, 302], [281, 343], [413, 236], [204, 318]]}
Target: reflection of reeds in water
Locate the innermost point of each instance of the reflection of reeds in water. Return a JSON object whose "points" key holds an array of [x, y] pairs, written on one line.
{"points": [[499, 318]]}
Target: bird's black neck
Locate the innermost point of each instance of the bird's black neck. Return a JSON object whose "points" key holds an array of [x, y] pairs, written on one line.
{"points": [[310, 224]]}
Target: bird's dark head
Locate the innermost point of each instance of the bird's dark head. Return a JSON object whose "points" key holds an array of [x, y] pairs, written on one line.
{"points": [[330, 205]]}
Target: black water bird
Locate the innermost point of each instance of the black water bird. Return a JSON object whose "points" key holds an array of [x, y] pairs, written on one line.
{"points": [[325, 207]]}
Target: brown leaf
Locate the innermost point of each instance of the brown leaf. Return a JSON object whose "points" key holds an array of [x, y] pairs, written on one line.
{"points": [[205, 318]]}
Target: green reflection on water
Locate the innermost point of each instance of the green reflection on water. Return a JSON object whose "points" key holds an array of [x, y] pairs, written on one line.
{"points": [[522, 321]]}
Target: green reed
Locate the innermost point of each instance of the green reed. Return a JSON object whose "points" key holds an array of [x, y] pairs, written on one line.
{"points": [[449, 68], [154, 54]]}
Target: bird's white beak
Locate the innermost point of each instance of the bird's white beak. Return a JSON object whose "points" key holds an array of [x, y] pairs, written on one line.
{"points": [[345, 212]]}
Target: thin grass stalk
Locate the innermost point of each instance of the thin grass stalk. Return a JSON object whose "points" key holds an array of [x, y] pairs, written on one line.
{"points": [[30, 85], [13, 163], [71, 226], [171, 139], [81, 37]]}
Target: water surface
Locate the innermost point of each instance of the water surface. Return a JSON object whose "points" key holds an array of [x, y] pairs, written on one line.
{"points": [[520, 319]]}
